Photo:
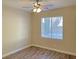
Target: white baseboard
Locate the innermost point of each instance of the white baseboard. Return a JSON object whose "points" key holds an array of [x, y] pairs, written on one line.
{"points": [[70, 53], [15, 51]]}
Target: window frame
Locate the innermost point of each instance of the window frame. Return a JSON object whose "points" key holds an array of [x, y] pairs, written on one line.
{"points": [[51, 35]]}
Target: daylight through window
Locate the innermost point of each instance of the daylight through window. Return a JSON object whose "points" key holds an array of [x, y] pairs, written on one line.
{"points": [[52, 27]]}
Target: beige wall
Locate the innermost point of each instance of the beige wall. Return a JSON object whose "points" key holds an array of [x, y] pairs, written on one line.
{"points": [[16, 29], [68, 44]]}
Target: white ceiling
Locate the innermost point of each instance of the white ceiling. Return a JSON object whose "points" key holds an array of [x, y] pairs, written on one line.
{"points": [[27, 5]]}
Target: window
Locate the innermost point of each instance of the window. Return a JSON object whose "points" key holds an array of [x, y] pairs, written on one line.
{"points": [[52, 27]]}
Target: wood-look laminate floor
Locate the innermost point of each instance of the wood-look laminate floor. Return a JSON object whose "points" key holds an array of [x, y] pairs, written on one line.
{"points": [[38, 53]]}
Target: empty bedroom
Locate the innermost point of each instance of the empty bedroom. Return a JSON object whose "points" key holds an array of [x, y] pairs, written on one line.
{"points": [[38, 29]]}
